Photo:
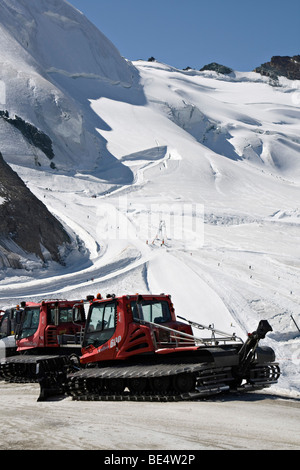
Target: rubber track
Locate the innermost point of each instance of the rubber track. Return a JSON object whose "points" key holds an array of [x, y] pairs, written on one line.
{"points": [[144, 398], [129, 371], [30, 369], [210, 380], [213, 380]]}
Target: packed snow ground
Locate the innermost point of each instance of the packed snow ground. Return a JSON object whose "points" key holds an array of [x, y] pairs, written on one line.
{"points": [[250, 422], [181, 182]]}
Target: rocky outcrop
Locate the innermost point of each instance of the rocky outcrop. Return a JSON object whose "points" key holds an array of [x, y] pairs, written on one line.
{"points": [[281, 66], [26, 225], [34, 136], [217, 68]]}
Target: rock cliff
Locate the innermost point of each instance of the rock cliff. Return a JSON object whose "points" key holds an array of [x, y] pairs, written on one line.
{"points": [[284, 66], [26, 225]]}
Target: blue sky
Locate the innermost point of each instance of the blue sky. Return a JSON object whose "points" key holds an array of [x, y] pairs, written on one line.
{"points": [[241, 34]]}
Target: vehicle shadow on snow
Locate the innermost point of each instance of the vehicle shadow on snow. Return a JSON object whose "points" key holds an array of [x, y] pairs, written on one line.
{"points": [[249, 397]]}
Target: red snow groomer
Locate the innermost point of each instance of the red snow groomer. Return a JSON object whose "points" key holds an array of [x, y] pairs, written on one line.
{"points": [[8, 322], [51, 325], [134, 348], [47, 334]]}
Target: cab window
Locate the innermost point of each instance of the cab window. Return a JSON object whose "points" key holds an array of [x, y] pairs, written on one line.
{"points": [[65, 315], [30, 322], [152, 311], [101, 324]]}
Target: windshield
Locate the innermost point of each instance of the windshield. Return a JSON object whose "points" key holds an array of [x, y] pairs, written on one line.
{"points": [[30, 322], [153, 311], [101, 324]]}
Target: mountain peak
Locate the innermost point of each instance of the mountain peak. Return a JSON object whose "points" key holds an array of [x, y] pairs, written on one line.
{"points": [[58, 36], [56, 61], [281, 66]]}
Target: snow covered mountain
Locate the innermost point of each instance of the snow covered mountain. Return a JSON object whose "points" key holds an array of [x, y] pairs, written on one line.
{"points": [[53, 60], [175, 181]]}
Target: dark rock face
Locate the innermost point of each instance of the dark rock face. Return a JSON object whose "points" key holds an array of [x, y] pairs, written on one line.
{"points": [[26, 225], [33, 135], [217, 68], [281, 66]]}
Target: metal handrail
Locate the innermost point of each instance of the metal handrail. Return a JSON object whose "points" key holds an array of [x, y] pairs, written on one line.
{"points": [[232, 337], [190, 338]]}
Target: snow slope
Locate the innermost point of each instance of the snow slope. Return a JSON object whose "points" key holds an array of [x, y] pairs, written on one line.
{"points": [[195, 191], [51, 55]]}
